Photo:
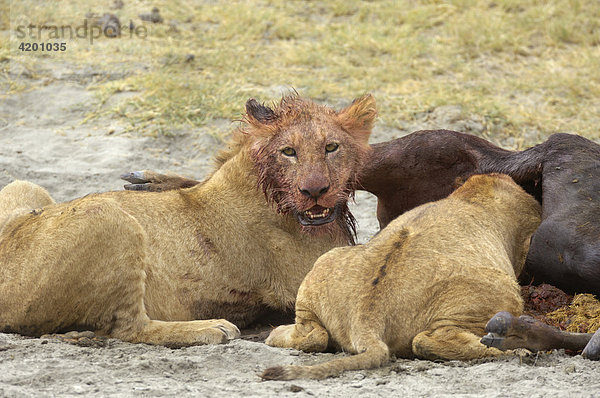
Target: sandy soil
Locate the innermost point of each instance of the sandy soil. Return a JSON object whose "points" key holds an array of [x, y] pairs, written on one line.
{"points": [[44, 141]]}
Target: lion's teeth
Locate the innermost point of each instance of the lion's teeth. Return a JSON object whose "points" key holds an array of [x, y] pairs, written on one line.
{"points": [[312, 216]]}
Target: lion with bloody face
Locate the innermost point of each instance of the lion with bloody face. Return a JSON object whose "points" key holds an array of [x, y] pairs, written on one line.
{"points": [[188, 266]]}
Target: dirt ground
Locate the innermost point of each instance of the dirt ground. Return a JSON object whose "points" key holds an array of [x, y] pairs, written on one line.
{"points": [[43, 140]]}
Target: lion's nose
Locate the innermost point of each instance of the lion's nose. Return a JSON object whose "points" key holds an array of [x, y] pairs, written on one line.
{"points": [[314, 192]]}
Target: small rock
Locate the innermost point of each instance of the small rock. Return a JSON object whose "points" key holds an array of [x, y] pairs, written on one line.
{"points": [[570, 369], [111, 26], [117, 5], [153, 17], [173, 26], [295, 388], [109, 23]]}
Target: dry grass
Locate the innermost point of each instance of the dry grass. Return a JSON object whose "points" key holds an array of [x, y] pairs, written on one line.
{"points": [[528, 68]]}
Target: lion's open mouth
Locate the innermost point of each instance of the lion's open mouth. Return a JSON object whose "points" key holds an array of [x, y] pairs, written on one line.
{"points": [[318, 215]]}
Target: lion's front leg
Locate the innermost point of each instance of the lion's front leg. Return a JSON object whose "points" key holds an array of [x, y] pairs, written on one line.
{"points": [[181, 334], [451, 343], [169, 334]]}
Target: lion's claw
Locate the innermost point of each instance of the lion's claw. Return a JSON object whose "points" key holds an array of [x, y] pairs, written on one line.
{"points": [[229, 330]]}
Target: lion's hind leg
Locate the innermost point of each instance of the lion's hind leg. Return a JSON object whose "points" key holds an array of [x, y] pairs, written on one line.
{"points": [[119, 266], [309, 337], [19, 197], [82, 266], [450, 343]]}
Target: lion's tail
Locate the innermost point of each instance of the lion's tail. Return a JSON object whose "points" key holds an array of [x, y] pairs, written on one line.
{"points": [[375, 355]]}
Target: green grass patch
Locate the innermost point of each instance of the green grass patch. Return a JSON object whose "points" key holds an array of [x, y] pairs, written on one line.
{"points": [[520, 65]]}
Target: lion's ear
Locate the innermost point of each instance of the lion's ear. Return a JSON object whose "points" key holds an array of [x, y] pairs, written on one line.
{"points": [[359, 116], [258, 114], [261, 118]]}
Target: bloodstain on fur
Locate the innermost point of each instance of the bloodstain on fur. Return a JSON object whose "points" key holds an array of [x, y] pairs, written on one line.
{"points": [[206, 245]]}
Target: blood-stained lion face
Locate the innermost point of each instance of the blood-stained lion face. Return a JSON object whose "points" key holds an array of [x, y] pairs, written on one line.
{"points": [[308, 157]]}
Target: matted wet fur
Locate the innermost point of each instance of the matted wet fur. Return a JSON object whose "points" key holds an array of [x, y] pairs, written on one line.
{"points": [[181, 267], [424, 287]]}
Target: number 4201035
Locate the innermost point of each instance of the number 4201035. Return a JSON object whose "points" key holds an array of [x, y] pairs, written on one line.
{"points": [[43, 46]]}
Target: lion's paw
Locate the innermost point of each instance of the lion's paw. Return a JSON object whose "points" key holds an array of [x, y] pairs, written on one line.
{"points": [[228, 329]]}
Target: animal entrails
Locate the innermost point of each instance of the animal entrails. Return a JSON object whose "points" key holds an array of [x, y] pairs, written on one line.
{"points": [[184, 267], [424, 287]]}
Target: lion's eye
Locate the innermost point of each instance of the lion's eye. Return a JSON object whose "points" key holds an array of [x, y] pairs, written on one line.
{"points": [[288, 151], [331, 147]]}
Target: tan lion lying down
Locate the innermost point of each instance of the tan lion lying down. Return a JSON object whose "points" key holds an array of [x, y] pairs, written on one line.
{"points": [[187, 266], [424, 287]]}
